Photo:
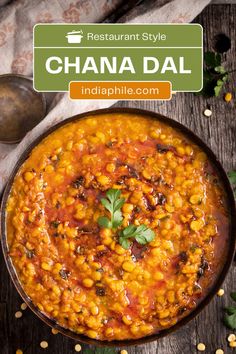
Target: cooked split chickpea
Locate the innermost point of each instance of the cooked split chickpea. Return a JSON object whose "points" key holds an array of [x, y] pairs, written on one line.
{"points": [[127, 320], [128, 266], [103, 180], [146, 174], [105, 232], [88, 283], [127, 208], [171, 296], [96, 276], [94, 310], [180, 150], [49, 169], [70, 201], [195, 199], [158, 276], [164, 314], [109, 332], [136, 197], [46, 266], [119, 249], [92, 334], [28, 176], [178, 202], [110, 167], [197, 225]]}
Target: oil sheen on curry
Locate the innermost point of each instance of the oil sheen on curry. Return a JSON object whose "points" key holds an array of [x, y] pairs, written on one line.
{"points": [[74, 268]]}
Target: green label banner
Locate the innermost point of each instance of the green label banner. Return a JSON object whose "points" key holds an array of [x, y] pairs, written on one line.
{"points": [[117, 52]]}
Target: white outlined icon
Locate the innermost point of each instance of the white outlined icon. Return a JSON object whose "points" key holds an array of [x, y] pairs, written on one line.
{"points": [[74, 36]]}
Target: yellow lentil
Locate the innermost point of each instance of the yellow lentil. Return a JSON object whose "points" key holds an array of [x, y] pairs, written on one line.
{"points": [[228, 97], [88, 283]]}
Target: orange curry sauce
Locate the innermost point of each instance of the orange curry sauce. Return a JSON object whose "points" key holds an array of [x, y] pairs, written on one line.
{"points": [[76, 272]]}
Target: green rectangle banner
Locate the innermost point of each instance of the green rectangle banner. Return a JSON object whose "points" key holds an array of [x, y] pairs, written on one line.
{"points": [[117, 52]]}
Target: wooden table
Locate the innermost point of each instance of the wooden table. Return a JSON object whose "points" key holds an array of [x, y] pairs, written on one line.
{"points": [[219, 132]]}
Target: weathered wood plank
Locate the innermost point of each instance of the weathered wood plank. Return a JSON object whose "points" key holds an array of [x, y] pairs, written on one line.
{"points": [[219, 132]]}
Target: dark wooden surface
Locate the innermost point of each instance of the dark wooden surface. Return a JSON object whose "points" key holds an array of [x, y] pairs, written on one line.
{"points": [[219, 132]]}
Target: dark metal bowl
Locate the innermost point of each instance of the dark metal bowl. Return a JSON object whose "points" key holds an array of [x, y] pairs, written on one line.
{"points": [[225, 261], [21, 107]]}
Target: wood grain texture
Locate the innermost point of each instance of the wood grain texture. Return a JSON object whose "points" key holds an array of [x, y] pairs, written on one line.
{"points": [[219, 132]]}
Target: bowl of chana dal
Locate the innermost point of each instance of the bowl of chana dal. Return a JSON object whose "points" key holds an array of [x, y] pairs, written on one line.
{"points": [[118, 226]]}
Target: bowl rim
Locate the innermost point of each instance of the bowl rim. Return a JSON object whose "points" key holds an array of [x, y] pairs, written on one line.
{"points": [[231, 242]]}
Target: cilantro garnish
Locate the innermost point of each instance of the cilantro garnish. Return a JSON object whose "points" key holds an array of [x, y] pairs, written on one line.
{"points": [[232, 179], [142, 234], [230, 316], [113, 203]]}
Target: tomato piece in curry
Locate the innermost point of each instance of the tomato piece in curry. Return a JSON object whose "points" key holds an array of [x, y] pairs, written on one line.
{"points": [[76, 272]]}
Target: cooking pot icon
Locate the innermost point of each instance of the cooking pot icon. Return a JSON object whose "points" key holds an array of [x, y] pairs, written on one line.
{"points": [[74, 36]]}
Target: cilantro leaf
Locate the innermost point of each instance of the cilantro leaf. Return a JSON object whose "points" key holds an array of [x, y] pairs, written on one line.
{"points": [[117, 219], [214, 75], [100, 351], [217, 90], [212, 59], [142, 234], [113, 204], [230, 320], [103, 221], [233, 296], [232, 179], [124, 242], [220, 69], [230, 315], [230, 310]]}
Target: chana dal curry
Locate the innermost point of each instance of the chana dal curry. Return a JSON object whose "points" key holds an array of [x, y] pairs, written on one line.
{"points": [[116, 225]]}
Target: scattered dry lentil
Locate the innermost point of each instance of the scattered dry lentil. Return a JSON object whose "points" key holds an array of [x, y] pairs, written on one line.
{"points": [[123, 352], [54, 331], [207, 112], [201, 347], [44, 344], [220, 292], [231, 337], [232, 344], [23, 306], [219, 351], [19, 351], [228, 97], [18, 314], [78, 348]]}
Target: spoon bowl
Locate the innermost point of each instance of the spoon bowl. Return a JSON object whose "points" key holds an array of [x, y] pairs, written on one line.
{"points": [[21, 107]]}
